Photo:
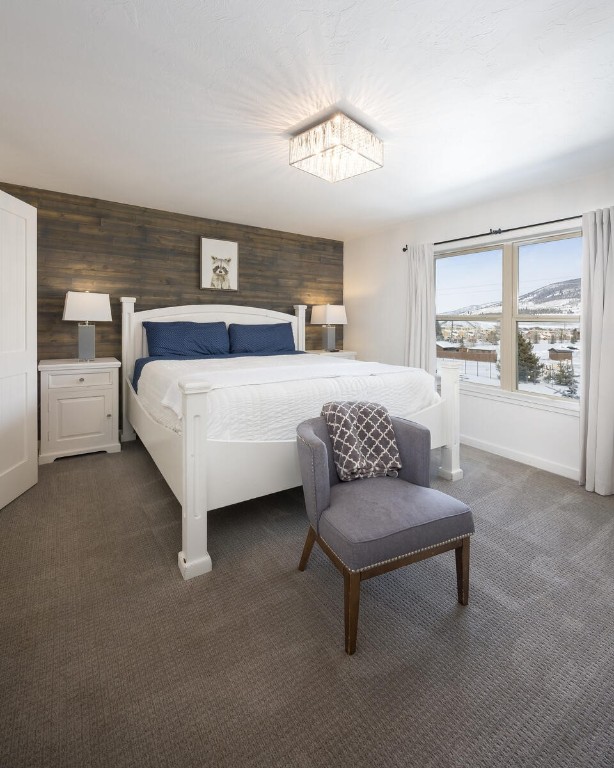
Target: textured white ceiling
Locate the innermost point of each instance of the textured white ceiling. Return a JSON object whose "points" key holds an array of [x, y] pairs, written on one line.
{"points": [[187, 105]]}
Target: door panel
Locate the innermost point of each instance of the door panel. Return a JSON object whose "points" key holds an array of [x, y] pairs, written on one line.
{"points": [[79, 419], [18, 375]]}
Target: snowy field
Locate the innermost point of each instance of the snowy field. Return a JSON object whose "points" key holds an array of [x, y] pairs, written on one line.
{"points": [[486, 373]]}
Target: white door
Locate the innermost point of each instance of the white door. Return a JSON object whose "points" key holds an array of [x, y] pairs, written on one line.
{"points": [[18, 375]]}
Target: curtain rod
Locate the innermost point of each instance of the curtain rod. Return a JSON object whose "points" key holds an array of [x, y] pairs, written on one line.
{"points": [[502, 231]]}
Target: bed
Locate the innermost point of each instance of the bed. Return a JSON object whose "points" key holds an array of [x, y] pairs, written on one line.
{"points": [[207, 462]]}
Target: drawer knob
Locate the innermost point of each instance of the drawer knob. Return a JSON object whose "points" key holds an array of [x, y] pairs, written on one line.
{"points": [[82, 379], [109, 415]]}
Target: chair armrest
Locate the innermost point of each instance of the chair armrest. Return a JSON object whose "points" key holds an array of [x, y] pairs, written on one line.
{"points": [[414, 443], [313, 461]]}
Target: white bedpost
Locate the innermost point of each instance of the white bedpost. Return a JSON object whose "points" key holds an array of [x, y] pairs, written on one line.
{"points": [[299, 311], [127, 364], [194, 559], [450, 394]]}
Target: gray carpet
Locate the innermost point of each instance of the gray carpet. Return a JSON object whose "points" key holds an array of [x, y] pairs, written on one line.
{"points": [[109, 659]]}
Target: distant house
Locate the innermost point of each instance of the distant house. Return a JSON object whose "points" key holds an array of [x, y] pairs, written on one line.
{"points": [[555, 353], [482, 354]]}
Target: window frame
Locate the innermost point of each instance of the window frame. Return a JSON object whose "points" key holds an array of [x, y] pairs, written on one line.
{"points": [[509, 317]]}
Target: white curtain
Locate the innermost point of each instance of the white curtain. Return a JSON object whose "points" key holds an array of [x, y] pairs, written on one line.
{"points": [[420, 324], [597, 336]]}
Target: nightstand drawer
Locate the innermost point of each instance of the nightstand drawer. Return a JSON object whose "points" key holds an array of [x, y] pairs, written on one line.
{"points": [[83, 379]]}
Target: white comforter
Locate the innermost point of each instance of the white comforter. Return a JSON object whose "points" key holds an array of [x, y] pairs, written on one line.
{"points": [[265, 398]]}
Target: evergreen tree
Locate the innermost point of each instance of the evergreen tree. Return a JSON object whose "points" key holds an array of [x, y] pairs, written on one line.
{"points": [[438, 331], [575, 335], [529, 367], [565, 377]]}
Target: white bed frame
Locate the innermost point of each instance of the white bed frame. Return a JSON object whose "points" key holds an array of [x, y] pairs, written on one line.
{"points": [[206, 474]]}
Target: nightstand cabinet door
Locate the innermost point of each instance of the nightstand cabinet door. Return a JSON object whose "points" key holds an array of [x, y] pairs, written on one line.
{"points": [[80, 419]]}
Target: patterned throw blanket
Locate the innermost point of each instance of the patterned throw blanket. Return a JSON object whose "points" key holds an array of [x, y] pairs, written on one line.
{"points": [[363, 440]]}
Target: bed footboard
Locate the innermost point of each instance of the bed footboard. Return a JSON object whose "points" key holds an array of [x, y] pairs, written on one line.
{"points": [[450, 395], [217, 474], [443, 421], [194, 559]]}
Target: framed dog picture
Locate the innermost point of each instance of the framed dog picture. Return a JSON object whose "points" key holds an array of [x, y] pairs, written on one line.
{"points": [[219, 264]]}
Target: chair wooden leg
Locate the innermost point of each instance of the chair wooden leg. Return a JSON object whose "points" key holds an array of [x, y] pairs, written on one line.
{"points": [[351, 602], [311, 537], [462, 571]]}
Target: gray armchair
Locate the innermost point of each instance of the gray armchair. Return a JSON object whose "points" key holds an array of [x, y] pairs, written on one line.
{"points": [[371, 526]]}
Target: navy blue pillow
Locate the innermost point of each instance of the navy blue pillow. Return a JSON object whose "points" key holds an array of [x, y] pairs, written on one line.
{"points": [[187, 339], [262, 339]]}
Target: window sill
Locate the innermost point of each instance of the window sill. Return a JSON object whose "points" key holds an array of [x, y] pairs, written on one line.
{"points": [[524, 399]]}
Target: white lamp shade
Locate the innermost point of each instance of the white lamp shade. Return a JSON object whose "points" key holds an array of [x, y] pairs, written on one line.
{"points": [[82, 305], [328, 314]]}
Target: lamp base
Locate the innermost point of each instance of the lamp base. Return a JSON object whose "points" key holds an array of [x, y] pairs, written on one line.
{"points": [[87, 341], [328, 338]]}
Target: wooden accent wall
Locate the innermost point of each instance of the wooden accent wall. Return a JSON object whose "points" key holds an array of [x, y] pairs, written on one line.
{"points": [[124, 250]]}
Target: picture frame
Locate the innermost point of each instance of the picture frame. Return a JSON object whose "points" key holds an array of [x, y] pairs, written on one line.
{"points": [[219, 265]]}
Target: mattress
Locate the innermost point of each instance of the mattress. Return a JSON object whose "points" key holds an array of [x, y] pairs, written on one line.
{"points": [[265, 398]]}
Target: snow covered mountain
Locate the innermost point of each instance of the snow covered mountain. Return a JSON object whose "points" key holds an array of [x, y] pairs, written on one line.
{"points": [[561, 298]]}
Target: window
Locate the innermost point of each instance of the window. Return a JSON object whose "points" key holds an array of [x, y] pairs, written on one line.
{"points": [[511, 314]]}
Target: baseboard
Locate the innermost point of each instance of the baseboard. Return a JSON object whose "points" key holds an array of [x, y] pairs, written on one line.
{"points": [[524, 458]]}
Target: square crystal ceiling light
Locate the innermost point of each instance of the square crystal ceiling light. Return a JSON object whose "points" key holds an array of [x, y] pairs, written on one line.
{"points": [[336, 149]]}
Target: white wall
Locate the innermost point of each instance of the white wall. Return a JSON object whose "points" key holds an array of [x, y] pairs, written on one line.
{"points": [[374, 295]]}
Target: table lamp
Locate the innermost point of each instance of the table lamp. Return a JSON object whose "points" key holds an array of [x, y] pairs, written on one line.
{"points": [[85, 307], [328, 316]]}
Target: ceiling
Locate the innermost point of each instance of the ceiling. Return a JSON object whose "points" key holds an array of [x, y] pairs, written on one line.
{"points": [[187, 105]]}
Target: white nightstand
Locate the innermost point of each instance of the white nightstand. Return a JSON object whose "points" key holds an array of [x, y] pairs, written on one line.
{"points": [[345, 353], [79, 407]]}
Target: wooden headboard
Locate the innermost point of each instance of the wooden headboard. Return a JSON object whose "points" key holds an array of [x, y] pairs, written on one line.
{"points": [[134, 340]]}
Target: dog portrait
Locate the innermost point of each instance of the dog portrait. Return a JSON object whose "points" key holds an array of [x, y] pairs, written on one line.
{"points": [[219, 264]]}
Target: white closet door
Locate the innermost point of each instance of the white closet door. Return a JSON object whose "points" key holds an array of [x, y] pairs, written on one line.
{"points": [[18, 375]]}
